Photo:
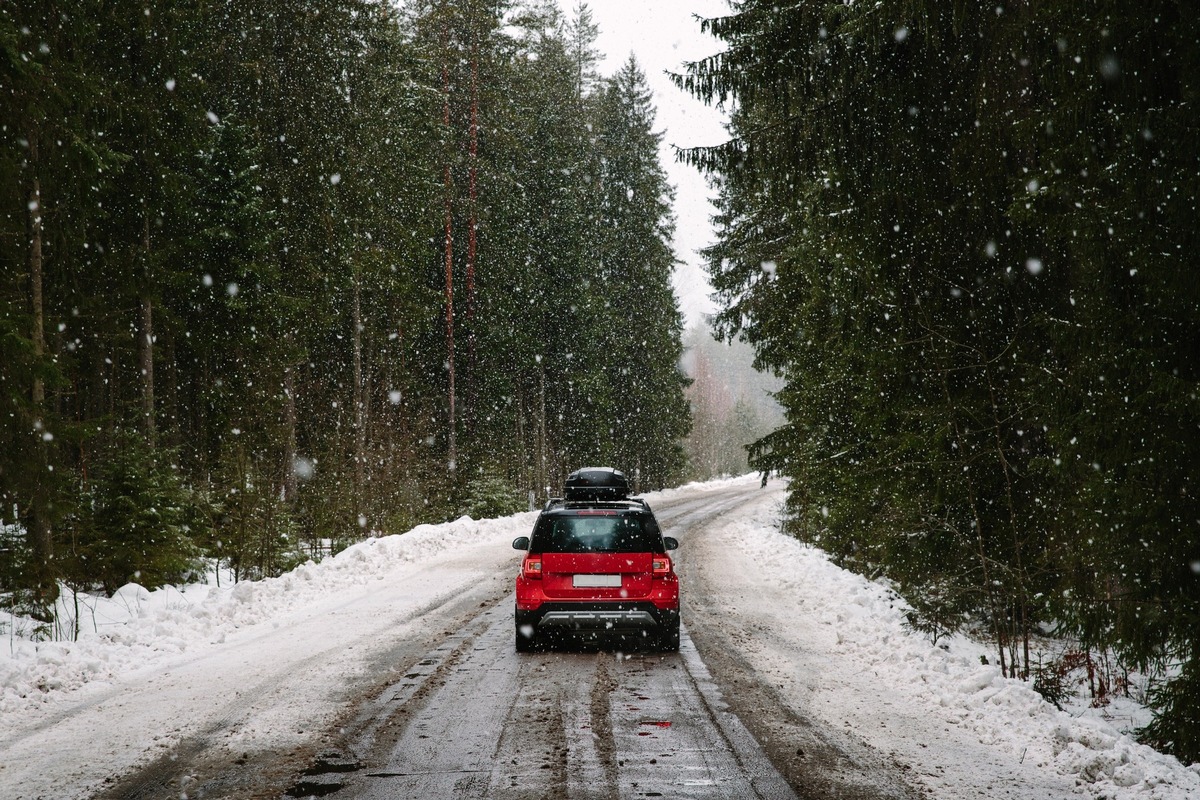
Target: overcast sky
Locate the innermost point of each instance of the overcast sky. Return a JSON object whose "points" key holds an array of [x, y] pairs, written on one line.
{"points": [[662, 34]]}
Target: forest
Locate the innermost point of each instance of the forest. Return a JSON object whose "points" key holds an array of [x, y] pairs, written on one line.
{"points": [[278, 275], [965, 236]]}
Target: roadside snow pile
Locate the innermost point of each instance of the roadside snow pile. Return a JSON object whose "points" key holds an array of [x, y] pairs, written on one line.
{"points": [[137, 629], [952, 685], [700, 487]]}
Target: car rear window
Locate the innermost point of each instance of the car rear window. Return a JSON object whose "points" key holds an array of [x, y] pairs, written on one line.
{"points": [[597, 532]]}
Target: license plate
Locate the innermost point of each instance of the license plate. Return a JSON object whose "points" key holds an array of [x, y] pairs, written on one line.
{"points": [[596, 581]]}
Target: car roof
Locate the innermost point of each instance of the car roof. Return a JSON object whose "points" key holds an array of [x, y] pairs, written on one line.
{"points": [[559, 507]]}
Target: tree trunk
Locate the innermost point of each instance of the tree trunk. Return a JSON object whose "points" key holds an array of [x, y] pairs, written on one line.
{"points": [[45, 585], [38, 335], [146, 363], [289, 434], [452, 444], [1022, 617], [472, 172], [360, 422], [543, 449], [146, 344]]}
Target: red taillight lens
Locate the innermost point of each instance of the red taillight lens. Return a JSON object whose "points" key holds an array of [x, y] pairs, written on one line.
{"points": [[660, 565], [532, 567]]}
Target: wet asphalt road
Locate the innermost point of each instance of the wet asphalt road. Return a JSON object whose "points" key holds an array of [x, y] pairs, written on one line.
{"points": [[475, 719]]}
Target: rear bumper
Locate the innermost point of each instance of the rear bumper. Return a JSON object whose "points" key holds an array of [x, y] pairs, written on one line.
{"points": [[663, 595], [598, 617]]}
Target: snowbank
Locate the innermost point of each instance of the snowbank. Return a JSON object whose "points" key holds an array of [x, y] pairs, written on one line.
{"points": [[948, 683], [837, 643], [138, 630]]}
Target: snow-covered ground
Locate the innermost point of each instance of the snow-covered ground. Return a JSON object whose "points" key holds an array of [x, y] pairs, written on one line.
{"points": [[268, 662], [836, 646], [151, 668]]}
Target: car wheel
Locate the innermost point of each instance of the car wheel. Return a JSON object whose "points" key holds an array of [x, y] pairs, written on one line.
{"points": [[668, 640], [525, 644]]}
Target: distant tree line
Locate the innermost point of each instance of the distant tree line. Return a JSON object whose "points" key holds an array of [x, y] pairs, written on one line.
{"points": [[731, 404], [275, 275], [966, 235]]}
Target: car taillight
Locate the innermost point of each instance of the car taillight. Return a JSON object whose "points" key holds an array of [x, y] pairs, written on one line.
{"points": [[660, 565], [532, 567]]}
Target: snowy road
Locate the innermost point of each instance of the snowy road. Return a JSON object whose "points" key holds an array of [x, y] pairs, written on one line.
{"points": [[474, 719], [471, 718], [405, 684], [388, 672]]}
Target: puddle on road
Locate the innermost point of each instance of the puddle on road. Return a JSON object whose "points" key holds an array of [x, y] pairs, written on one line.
{"points": [[326, 764], [312, 789]]}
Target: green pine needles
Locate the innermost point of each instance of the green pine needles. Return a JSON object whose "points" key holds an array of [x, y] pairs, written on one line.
{"points": [[965, 236], [276, 277]]}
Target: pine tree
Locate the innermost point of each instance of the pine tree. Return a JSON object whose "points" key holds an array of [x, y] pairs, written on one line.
{"points": [[958, 234], [49, 158], [137, 521], [235, 270], [642, 325]]}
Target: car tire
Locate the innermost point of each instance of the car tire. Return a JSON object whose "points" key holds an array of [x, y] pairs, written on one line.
{"points": [[524, 644], [668, 640]]}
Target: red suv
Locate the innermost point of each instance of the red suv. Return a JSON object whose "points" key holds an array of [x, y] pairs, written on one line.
{"points": [[597, 565]]}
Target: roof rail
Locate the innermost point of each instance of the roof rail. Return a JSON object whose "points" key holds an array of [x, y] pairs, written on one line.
{"points": [[552, 502]]}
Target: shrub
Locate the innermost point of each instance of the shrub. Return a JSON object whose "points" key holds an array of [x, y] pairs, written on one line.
{"points": [[488, 497], [136, 519]]}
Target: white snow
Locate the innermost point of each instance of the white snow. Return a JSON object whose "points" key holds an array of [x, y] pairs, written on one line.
{"points": [[269, 660], [136, 629], [839, 647]]}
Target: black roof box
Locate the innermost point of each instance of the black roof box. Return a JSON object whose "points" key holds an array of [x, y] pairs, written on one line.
{"points": [[596, 483]]}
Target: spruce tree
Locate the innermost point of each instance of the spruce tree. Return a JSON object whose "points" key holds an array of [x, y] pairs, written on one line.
{"points": [[234, 273], [961, 236]]}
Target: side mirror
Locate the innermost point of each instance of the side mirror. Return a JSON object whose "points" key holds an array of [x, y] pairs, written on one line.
{"points": [[521, 543], [670, 542]]}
